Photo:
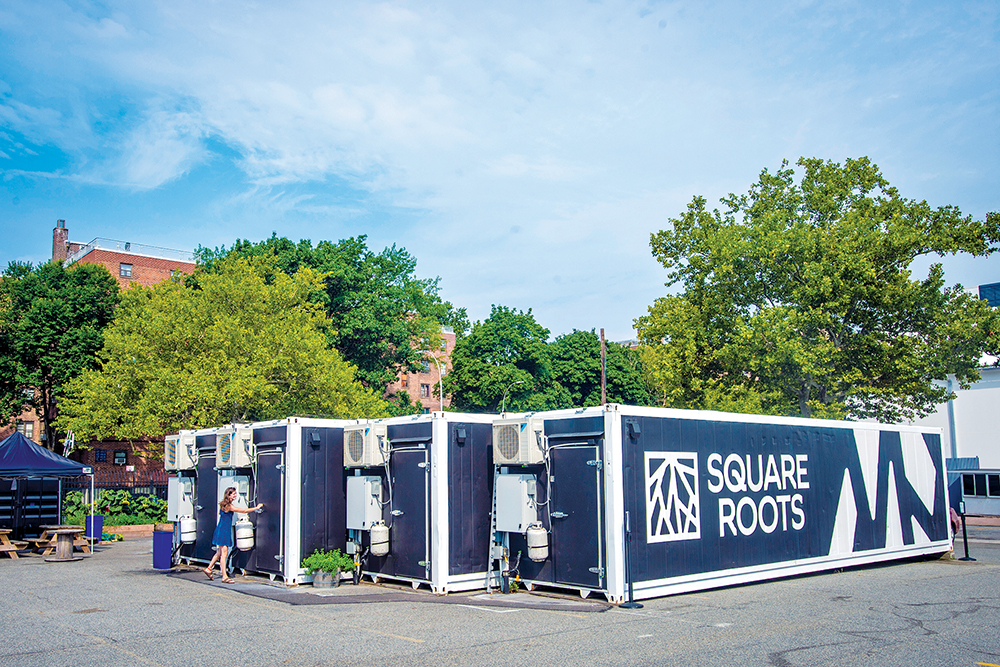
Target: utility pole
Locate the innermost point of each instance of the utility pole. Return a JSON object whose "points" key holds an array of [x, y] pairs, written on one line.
{"points": [[604, 372]]}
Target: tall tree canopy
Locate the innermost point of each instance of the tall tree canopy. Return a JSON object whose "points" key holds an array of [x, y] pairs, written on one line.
{"points": [[51, 325], [381, 314], [241, 343], [576, 365], [509, 352], [797, 298]]}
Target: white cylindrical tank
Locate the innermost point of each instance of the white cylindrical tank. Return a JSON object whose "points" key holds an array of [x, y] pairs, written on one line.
{"points": [[244, 534], [189, 530], [538, 542], [379, 539]]}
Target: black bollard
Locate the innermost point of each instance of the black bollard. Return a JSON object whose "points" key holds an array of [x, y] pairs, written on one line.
{"points": [[631, 604], [965, 533]]}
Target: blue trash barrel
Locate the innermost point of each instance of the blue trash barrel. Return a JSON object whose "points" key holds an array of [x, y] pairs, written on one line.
{"points": [[163, 545], [94, 529]]}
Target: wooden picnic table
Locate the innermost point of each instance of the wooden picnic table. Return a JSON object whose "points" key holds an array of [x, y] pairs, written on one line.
{"points": [[64, 538], [10, 548], [46, 543]]}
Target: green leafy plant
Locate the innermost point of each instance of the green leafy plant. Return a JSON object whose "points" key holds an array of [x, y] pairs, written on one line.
{"points": [[119, 508], [328, 561]]}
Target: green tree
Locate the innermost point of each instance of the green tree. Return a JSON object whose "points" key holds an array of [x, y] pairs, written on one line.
{"points": [[576, 365], [242, 343], [797, 298], [507, 352], [380, 313], [51, 325]]}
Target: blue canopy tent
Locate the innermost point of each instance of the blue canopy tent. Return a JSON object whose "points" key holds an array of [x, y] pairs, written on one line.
{"points": [[20, 458]]}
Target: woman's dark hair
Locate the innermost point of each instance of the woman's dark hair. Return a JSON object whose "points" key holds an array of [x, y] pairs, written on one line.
{"points": [[226, 503]]}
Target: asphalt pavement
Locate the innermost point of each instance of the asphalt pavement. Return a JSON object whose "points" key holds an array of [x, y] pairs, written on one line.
{"points": [[114, 609]]}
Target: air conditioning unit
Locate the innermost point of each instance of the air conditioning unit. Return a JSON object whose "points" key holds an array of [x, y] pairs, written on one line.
{"points": [[361, 446], [234, 447], [185, 452], [170, 445], [518, 441]]}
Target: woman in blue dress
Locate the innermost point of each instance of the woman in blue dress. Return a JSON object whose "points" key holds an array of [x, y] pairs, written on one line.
{"points": [[223, 537]]}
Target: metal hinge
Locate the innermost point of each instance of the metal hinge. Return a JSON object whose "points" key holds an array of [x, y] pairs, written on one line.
{"points": [[424, 563], [599, 571], [558, 515], [598, 463], [424, 464], [281, 560], [280, 466]]}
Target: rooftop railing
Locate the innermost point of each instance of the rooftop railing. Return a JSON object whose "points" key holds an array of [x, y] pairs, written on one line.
{"points": [[129, 248]]}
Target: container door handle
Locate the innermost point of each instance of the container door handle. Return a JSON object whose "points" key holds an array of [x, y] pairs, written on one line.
{"points": [[558, 515]]}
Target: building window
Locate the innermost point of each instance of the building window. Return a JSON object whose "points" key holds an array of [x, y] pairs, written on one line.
{"points": [[425, 366], [981, 484], [100, 455], [425, 391], [444, 344], [27, 429], [120, 458], [405, 380], [125, 270]]}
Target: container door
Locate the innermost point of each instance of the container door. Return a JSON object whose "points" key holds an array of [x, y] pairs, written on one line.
{"points": [[206, 509], [268, 540], [576, 517], [409, 549]]}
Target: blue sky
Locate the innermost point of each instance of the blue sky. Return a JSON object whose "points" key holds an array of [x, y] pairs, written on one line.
{"points": [[523, 152]]}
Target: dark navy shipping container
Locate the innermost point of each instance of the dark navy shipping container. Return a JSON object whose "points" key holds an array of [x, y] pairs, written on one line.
{"points": [[705, 499], [440, 469]]}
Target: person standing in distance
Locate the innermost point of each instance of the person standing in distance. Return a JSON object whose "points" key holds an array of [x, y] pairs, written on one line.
{"points": [[223, 537]]}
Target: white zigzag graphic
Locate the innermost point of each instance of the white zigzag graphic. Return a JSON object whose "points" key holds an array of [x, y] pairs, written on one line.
{"points": [[675, 516]]}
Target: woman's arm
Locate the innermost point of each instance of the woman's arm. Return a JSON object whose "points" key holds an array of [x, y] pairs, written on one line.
{"points": [[247, 510]]}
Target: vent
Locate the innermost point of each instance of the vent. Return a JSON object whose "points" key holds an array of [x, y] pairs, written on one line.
{"points": [[507, 441], [224, 450], [355, 445], [170, 452], [518, 442]]}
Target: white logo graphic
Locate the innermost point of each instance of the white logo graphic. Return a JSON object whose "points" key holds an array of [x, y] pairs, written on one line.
{"points": [[672, 515]]}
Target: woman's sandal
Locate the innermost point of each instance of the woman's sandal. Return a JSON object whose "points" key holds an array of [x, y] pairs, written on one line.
{"points": [[227, 580], [208, 574]]}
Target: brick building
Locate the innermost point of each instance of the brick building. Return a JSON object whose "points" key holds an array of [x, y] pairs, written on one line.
{"points": [[129, 262], [422, 385]]}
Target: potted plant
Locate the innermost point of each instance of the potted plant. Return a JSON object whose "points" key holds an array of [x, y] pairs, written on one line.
{"points": [[326, 566]]}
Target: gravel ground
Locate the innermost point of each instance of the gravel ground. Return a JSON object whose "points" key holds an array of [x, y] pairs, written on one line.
{"points": [[114, 609]]}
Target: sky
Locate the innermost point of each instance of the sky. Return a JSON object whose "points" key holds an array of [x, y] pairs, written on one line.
{"points": [[521, 151]]}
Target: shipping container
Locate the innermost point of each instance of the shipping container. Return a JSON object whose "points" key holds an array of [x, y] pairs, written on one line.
{"points": [[424, 484], [670, 501]]}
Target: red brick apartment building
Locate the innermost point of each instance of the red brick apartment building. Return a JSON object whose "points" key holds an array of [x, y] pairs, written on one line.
{"points": [[422, 385], [129, 262]]}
